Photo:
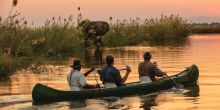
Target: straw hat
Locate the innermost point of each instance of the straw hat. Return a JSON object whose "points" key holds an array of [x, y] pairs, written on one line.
{"points": [[76, 64]]}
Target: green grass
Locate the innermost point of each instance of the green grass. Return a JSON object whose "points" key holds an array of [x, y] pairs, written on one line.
{"points": [[57, 38], [135, 31], [61, 38], [7, 66]]}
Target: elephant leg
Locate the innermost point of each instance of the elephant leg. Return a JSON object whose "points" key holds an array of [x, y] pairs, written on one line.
{"points": [[95, 40], [86, 37], [100, 41]]}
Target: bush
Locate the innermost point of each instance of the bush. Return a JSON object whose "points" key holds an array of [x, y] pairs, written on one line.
{"points": [[135, 31], [60, 38], [7, 66]]}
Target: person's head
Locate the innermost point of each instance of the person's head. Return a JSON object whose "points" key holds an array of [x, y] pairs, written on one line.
{"points": [[76, 65], [147, 56], [109, 60]]}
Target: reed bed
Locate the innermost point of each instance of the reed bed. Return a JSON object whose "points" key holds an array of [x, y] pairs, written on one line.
{"points": [[62, 38], [57, 38], [136, 31]]}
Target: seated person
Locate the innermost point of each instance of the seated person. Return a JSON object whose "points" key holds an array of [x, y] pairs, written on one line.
{"points": [[148, 70], [110, 76], [76, 79]]}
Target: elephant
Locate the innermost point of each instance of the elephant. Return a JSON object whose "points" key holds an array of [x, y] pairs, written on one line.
{"points": [[94, 30]]}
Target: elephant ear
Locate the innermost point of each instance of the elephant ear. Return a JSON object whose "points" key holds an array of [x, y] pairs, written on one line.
{"points": [[83, 23], [80, 24]]}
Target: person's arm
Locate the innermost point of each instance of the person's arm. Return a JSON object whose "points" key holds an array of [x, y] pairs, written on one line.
{"points": [[140, 68], [126, 75], [100, 74], [84, 84], [157, 71], [87, 73]]}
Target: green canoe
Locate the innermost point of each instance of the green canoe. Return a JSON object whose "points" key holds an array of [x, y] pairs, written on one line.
{"points": [[43, 93]]}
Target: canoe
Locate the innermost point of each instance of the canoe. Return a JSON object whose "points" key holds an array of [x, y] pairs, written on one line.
{"points": [[43, 93]]}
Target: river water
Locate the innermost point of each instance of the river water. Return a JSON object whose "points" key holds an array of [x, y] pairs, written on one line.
{"points": [[202, 50]]}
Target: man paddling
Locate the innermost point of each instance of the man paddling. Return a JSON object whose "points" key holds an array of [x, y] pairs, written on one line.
{"points": [[110, 76], [76, 79], [148, 70]]}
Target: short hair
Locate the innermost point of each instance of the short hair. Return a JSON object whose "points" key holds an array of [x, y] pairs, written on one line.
{"points": [[109, 60], [147, 56]]}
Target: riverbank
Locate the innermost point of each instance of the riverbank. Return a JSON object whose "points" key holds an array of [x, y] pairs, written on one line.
{"points": [[205, 28], [60, 38]]}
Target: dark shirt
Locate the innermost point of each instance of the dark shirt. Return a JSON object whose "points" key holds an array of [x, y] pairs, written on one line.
{"points": [[147, 68], [110, 74]]}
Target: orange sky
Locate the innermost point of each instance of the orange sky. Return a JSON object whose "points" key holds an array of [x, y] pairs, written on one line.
{"points": [[38, 10]]}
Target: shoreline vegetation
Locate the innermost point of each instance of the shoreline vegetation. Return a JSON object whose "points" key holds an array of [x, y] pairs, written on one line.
{"points": [[22, 46], [205, 28]]}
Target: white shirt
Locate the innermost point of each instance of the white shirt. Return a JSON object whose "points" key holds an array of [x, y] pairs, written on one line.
{"points": [[76, 81], [110, 85], [145, 79]]}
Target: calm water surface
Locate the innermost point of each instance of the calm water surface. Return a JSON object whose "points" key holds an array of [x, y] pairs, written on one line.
{"points": [[203, 50]]}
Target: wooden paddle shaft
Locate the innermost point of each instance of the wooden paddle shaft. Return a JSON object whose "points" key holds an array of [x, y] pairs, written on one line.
{"points": [[96, 78], [122, 69], [180, 86]]}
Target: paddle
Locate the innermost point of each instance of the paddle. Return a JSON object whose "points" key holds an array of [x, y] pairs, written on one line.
{"points": [[97, 83], [96, 79], [118, 70], [177, 86]]}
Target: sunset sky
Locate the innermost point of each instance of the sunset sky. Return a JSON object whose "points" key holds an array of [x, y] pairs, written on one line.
{"points": [[40, 10]]}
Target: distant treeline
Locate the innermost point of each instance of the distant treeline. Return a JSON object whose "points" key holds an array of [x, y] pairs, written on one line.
{"points": [[205, 28]]}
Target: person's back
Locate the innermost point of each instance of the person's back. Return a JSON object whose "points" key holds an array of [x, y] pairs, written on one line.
{"points": [[76, 80], [110, 75], [148, 70]]}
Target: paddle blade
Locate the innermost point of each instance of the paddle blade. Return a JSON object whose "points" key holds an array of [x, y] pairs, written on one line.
{"points": [[178, 86]]}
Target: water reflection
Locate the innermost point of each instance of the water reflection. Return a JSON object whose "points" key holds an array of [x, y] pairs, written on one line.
{"points": [[184, 99], [93, 56], [173, 43], [77, 104], [193, 91], [148, 101], [202, 50], [98, 55], [5, 104]]}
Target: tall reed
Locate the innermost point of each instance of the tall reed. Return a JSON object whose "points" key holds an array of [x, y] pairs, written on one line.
{"points": [[60, 37], [135, 31]]}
